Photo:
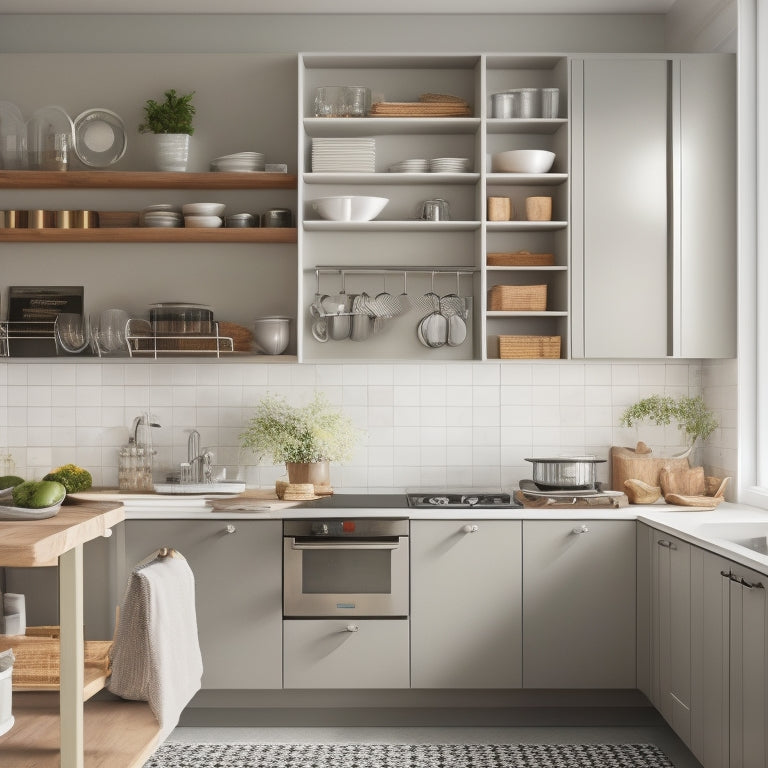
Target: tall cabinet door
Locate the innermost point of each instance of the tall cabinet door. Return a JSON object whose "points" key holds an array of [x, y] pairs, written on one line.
{"points": [[671, 632], [578, 622], [238, 593], [619, 210], [465, 604]]}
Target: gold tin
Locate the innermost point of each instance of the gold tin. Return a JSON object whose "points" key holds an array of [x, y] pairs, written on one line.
{"points": [[16, 219], [36, 219], [63, 219], [85, 219]]}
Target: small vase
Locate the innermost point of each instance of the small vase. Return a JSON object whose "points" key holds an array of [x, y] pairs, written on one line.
{"points": [[171, 151], [315, 472]]}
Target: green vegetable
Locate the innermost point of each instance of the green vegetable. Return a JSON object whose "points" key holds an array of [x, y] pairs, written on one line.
{"points": [[72, 477], [8, 481], [36, 494]]}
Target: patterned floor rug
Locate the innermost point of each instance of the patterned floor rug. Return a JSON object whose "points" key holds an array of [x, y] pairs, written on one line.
{"points": [[178, 755]]}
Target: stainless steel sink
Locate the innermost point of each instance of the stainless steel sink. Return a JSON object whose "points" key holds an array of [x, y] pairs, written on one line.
{"points": [[750, 535]]}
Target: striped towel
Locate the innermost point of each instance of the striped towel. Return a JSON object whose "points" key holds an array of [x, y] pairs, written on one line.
{"points": [[156, 653]]}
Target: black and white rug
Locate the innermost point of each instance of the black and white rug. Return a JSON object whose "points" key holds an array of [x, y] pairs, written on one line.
{"points": [[179, 755]]}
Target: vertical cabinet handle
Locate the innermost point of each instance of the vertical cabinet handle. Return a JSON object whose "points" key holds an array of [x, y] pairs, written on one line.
{"points": [[580, 529], [470, 528]]}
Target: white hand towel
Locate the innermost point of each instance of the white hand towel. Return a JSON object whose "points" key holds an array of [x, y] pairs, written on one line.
{"points": [[156, 653]]}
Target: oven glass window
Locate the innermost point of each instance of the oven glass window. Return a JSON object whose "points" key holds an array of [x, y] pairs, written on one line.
{"points": [[347, 571]]}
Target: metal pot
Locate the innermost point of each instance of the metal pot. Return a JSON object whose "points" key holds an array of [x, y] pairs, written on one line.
{"points": [[565, 472]]}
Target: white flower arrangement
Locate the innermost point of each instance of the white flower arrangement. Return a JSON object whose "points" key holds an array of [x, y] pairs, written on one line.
{"points": [[300, 434]]}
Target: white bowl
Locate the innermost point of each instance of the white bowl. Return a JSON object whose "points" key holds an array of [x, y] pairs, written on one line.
{"points": [[202, 221], [523, 161], [271, 334], [203, 209], [349, 207]]}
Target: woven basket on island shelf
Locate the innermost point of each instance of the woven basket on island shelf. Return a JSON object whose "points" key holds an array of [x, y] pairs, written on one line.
{"points": [[517, 298], [37, 663], [511, 347]]}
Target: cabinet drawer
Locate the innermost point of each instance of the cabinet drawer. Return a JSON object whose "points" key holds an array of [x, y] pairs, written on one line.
{"points": [[329, 653]]}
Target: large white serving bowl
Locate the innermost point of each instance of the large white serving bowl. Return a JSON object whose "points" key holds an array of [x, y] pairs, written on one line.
{"points": [[271, 334], [349, 207], [523, 161]]}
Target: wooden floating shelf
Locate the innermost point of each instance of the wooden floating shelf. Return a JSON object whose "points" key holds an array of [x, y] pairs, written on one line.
{"points": [[151, 235], [144, 180]]}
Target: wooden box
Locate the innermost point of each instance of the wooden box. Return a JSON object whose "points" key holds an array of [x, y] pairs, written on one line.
{"points": [[520, 259], [511, 347], [517, 298]]}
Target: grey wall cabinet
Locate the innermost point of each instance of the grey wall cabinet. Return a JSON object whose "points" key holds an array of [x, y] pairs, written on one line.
{"points": [[671, 631], [466, 591], [238, 582], [579, 625], [346, 653], [653, 207]]}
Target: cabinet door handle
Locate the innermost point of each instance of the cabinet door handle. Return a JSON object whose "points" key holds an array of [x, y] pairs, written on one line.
{"points": [[230, 528], [751, 585], [667, 544], [725, 574], [352, 628], [581, 529], [470, 528]]}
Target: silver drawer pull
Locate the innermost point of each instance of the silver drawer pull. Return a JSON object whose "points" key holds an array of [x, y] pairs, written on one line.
{"points": [[470, 529], [353, 628], [342, 545], [230, 528], [581, 529]]}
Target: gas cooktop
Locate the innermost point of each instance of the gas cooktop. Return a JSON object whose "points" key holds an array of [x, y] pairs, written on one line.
{"points": [[461, 500]]}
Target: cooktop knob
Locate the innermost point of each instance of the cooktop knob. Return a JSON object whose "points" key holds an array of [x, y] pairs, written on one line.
{"points": [[472, 500]]}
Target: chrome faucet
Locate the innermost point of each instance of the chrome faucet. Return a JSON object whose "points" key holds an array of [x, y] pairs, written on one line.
{"points": [[200, 461]]}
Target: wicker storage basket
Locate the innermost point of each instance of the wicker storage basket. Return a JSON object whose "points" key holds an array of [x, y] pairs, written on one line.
{"points": [[520, 259], [529, 347], [37, 657], [517, 298]]}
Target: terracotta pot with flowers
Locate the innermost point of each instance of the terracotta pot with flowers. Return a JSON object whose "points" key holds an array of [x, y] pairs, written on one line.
{"points": [[307, 438]]}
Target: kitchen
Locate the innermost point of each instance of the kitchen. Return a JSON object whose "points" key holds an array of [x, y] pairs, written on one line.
{"points": [[427, 423]]}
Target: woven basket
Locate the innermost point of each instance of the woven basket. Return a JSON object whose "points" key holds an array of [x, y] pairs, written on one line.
{"points": [[529, 347], [37, 656], [517, 298], [520, 259]]}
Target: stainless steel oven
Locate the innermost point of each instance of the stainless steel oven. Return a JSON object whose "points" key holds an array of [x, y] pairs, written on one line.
{"points": [[345, 567]]}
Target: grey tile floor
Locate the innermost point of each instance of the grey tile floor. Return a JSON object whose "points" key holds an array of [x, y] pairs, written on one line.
{"points": [[658, 734]]}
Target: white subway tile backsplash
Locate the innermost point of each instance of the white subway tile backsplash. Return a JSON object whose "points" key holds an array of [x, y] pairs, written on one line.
{"points": [[424, 424]]}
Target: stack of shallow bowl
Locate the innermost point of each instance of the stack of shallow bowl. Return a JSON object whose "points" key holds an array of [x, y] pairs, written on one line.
{"points": [[242, 162], [203, 214], [414, 165], [161, 215], [449, 165]]}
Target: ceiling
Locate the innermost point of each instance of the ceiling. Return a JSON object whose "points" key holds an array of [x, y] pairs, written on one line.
{"points": [[335, 6]]}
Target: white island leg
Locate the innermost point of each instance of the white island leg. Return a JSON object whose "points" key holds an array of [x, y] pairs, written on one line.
{"points": [[72, 667]]}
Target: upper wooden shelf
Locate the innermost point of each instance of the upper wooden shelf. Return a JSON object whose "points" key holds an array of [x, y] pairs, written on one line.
{"points": [[151, 235], [143, 180]]}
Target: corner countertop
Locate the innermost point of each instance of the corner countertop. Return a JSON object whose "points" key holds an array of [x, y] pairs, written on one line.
{"points": [[701, 527]]}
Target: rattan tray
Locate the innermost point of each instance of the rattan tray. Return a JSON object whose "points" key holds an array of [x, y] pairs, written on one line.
{"points": [[529, 347]]}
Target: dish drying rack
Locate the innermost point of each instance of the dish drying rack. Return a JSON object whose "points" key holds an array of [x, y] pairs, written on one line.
{"points": [[144, 342], [24, 330]]}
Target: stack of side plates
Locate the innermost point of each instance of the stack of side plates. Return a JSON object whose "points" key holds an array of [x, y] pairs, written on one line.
{"points": [[239, 162], [161, 215], [344, 155], [416, 165], [449, 165]]}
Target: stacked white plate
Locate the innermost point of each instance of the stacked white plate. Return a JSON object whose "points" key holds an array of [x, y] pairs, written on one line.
{"points": [[239, 162], [449, 164], [203, 214], [344, 155], [415, 165], [161, 215]]}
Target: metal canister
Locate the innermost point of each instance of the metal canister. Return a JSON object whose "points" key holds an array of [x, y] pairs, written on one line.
{"points": [[85, 219], [63, 219], [36, 219], [15, 219], [277, 217]]}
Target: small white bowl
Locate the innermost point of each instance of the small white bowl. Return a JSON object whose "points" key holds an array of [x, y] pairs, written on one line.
{"points": [[523, 161], [202, 221], [271, 334], [349, 207], [203, 209]]}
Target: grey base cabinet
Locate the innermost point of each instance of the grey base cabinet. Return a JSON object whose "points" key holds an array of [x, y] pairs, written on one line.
{"points": [[578, 604], [346, 653], [238, 584], [466, 592]]}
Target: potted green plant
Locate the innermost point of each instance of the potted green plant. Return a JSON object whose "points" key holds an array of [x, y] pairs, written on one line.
{"points": [[691, 415], [305, 437], [171, 123]]}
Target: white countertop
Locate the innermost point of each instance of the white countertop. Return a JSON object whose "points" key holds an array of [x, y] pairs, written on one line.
{"points": [[701, 527]]}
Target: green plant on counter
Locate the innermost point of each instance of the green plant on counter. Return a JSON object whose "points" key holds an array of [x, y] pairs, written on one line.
{"points": [[174, 115], [300, 434], [691, 414]]}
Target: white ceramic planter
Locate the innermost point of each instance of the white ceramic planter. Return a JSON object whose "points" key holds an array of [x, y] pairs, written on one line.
{"points": [[171, 151]]}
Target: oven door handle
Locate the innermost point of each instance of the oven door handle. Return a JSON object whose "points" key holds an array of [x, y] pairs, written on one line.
{"points": [[343, 545]]}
